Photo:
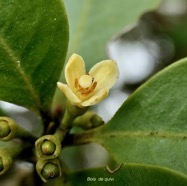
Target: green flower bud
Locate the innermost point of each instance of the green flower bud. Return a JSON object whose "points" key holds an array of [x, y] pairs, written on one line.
{"points": [[5, 161], [48, 146], [88, 121], [48, 169], [96, 121], [4, 129], [8, 128]]}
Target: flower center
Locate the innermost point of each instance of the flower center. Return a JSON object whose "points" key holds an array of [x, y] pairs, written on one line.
{"points": [[85, 81]]}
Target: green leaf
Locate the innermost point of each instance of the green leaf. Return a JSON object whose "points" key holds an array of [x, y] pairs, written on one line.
{"points": [[151, 126], [130, 175], [33, 45], [94, 22]]}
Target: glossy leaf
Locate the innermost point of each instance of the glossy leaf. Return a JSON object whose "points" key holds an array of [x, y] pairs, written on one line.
{"points": [[131, 175], [94, 22], [151, 126], [33, 45]]}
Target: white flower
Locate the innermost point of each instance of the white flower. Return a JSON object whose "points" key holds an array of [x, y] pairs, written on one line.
{"points": [[84, 89]]}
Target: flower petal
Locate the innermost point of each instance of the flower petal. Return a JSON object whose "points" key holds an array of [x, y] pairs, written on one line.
{"points": [[96, 98], [68, 93], [105, 73], [73, 70]]}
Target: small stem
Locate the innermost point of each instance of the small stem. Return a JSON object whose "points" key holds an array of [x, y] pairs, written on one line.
{"points": [[16, 148], [61, 133], [70, 114], [25, 135], [49, 146], [67, 120]]}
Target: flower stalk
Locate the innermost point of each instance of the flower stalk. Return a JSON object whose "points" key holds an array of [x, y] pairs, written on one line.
{"points": [[70, 114], [49, 146]]}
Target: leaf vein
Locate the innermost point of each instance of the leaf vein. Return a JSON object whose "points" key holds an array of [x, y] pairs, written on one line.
{"points": [[146, 134]]}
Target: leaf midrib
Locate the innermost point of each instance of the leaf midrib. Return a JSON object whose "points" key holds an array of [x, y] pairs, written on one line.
{"points": [[16, 60], [143, 134], [99, 136]]}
